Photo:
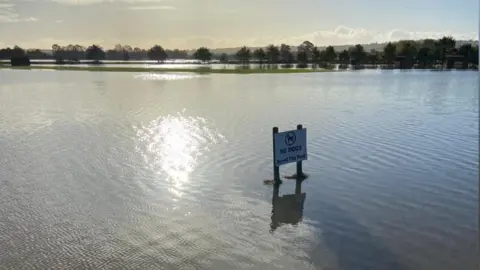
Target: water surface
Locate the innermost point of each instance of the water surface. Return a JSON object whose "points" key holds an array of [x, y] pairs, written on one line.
{"points": [[150, 171]]}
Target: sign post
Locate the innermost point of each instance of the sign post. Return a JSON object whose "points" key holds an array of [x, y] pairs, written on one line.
{"points": [[288, 147], [299, 162], [276, 168]]}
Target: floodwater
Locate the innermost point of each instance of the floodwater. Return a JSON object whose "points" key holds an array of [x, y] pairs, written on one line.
{"points": [[168, 64], [155, 65], [165, 171]]}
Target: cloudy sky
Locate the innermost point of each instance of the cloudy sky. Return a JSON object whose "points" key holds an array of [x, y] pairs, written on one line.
{"points": [[231, 23]]}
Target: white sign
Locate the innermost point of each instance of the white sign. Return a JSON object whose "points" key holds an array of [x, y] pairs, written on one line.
{"points": [[290, 146]]}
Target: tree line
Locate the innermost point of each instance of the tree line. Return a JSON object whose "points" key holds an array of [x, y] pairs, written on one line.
{"points": [[75, 53], [425, 53]]}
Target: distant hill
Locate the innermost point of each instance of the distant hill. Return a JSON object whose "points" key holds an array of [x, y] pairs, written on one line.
{"points": [[367, 47]]}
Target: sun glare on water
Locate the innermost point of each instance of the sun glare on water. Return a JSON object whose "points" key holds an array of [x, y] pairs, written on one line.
{"points": [[172, 146], [165, 76]]}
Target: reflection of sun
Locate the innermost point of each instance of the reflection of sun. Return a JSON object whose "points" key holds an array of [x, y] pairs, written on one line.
{"points": [[173, 145]]}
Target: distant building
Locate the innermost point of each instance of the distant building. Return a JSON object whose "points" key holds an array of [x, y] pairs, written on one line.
{"points": [[19, 61], [456, 61], [353, 61], [356, 64], [402, 62]]}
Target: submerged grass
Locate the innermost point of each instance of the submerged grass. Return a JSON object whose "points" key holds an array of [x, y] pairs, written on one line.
{"points": [[190, 70]]}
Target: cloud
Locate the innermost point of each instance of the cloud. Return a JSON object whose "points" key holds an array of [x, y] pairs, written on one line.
{"points": [[6, 5], [29, 19], [16, 19], [89, 2], [151, 8], [344, 35], [9, 15], [341, 35]]}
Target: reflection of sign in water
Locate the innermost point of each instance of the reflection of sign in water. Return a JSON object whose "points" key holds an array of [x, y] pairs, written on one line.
{"points": [[287, 209], [290, 146]]}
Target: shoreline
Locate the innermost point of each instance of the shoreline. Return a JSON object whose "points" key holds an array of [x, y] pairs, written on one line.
{"points": [[167, 70], [207, 70]]}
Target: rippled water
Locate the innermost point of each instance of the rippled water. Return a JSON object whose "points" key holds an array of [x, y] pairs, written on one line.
{"points": [[165, 66], [149, 64], [151, 171]]}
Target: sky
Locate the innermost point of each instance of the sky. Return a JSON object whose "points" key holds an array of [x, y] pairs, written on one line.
{"points": [[187, 24]]}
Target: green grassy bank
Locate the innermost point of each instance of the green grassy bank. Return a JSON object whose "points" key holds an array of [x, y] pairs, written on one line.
{"points": [[191, 70]]}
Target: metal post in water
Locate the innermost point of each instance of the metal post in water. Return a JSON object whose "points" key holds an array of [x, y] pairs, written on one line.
{"points": [[300, 174], [276, 169]]}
